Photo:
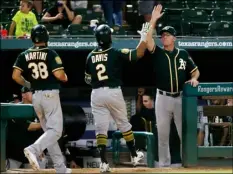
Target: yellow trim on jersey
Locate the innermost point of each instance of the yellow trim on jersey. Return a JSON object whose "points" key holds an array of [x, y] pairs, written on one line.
{"points": [[193, 69], [153, 50], [57, 69], [169, 62], [31, 49], [177, 84], [16, 67], [101, 51]]}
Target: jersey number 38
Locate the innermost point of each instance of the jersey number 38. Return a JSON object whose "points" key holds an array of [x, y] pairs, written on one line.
{"points": [[39, 70]]}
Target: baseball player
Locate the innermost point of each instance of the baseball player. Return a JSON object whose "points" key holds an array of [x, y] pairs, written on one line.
{"points": [[44, 69], [171, 65], [103, 72]]}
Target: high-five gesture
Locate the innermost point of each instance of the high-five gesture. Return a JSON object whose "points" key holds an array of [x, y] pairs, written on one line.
{"points": [[156, 13]]}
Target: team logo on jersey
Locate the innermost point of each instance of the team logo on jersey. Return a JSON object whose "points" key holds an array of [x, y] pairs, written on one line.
{"points": [[58, 60], [182, 64], [125, 51]]}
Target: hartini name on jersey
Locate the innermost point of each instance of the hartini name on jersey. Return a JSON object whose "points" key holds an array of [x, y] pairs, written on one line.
{"points": [[36, 55], [99, 58]]}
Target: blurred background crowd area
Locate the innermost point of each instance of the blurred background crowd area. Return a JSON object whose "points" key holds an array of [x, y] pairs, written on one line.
{"points": [[189, 17]]}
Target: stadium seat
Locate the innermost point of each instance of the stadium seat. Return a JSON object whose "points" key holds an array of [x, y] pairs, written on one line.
{"points": [[54, 29], [175, 5], [4, 16], [194, 16], [93, 15], [222, 15], [80, 11], [227, 4], [173, 14], [208, 5], [185, 28], [220, 29], [13, 12], [80, 29], [199, 28], [118, 30]]}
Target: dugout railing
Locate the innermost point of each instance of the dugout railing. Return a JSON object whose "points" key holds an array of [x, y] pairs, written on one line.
{"points": [[190, 151]]}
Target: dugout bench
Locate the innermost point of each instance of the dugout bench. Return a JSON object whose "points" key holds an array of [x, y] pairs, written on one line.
{"points": [[191, 152], [11, 111]]}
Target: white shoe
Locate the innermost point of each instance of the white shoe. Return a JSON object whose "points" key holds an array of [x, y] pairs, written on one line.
{"points": [[68, 170], [104, 167], [137, 158], [32, 159]]}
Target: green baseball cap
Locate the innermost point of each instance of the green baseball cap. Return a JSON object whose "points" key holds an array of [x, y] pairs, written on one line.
{"points": [[168, 29], [25, 89]]}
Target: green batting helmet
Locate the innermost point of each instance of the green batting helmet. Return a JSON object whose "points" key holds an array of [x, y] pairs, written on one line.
{"points": [[103, 35], [39, 34]]}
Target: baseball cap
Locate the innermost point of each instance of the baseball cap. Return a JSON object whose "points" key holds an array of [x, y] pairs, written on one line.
{"points": [[15, 96], [168, 29], [25, 89]]}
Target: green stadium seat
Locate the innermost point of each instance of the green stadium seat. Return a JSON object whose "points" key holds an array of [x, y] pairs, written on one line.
{"points": [[227, 4], [199, 28], [13, 12], [208, 5], [194, 16], [118, 30], [220, 29], [93, 15], [54, 29], [185, 28], [80, 29], [80, 11], [175, 5], [173, 14], [222, 15]]}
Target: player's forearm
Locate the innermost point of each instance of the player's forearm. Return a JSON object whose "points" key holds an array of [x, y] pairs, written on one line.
{"points": [[141, 49], [21, 81], [149, 38], [195, 75]]}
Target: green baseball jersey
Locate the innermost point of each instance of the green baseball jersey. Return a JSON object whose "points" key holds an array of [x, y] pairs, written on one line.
{"points": [[38, 65], [172, 69], [105, 67]]}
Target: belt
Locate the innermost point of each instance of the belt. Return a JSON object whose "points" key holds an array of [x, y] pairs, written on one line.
{"points": [[108, 87], [176, 94]]}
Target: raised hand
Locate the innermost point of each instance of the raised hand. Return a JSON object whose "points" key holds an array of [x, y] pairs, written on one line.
{"points": [[156, 13], [144, 30]]}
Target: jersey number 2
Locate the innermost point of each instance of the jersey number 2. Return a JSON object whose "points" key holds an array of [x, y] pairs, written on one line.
{"points": [[101, 69], [39, 70]]}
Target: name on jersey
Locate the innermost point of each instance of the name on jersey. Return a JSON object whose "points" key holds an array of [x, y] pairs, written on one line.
{"points": [[99, 58], [36, 56]]}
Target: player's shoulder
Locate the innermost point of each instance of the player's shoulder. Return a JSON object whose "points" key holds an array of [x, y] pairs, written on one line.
{"points": [[183, 52]]}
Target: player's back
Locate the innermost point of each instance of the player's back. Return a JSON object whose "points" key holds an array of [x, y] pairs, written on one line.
{"points": [[105, 68], [40, 63]]}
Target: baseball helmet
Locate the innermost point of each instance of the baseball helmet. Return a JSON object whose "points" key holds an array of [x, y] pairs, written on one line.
{"points": [[39, 34], [103, 35]]}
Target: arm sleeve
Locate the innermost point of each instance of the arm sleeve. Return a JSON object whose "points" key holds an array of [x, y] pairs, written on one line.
{"points": [[20, 63], [87, 68], [155, 49], [55, 61], [191, 66], [127, 54], [16, 17]]}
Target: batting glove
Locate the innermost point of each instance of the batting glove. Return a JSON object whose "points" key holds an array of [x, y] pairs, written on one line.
{"points": [[144, 31]]}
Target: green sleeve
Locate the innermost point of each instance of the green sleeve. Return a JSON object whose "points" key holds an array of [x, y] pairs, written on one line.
{"points": [[55, 61], [20, 63], [128, 54], [16, 17], [191, 66], [87, 66]]}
